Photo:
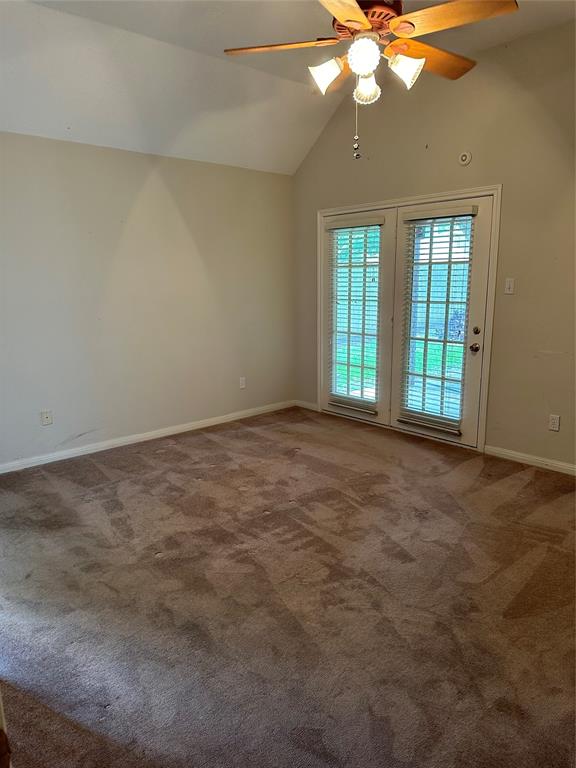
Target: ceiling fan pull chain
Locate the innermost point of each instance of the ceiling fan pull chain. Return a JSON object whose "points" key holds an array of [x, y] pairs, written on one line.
{"points": [[356, 145]]}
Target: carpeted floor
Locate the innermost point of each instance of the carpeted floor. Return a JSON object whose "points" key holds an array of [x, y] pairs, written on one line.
{"points": [[290, 591]]}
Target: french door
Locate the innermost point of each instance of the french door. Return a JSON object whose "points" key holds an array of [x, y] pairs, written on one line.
{"points": [[403, 313], [357, 316]]}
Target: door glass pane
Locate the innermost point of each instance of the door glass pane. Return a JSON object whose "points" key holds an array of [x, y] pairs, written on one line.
{"points": [[437, 293], [433, 351], [454, 361], [419, 312], [355, 268], [439, 282], [415, 392], [370, 352], [458, 282], [457, 316], [341, 348], [452, 399], [437, 321], [433, 396], [416, 364], [420, 282], [369, 391]]}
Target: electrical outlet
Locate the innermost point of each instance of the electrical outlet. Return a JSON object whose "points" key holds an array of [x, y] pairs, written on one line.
{"points": [[509, 285], [46, 418], [554, 422], [242, 382]]}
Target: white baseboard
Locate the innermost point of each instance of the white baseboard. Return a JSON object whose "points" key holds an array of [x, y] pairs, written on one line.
{"points": [[116, 442], [308, 406], [492, 450], [535, 461]]}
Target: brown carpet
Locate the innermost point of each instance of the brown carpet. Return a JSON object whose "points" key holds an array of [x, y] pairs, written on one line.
{"points": [[290, 591]]}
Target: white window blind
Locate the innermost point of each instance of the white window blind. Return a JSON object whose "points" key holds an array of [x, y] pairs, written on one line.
{"points": [[437, 288], [354, 265]]}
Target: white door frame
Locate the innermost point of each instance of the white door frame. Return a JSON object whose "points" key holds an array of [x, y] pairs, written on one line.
{"points": [[495, 192]]}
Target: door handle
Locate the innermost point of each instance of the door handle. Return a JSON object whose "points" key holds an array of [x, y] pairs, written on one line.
{"points": [[474, 347]]}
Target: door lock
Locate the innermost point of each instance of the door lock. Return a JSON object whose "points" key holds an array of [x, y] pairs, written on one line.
{"points": [[474, 347], [476, 330]]}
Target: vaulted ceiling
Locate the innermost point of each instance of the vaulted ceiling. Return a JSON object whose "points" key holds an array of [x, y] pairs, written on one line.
{"points": [[151, 76]]}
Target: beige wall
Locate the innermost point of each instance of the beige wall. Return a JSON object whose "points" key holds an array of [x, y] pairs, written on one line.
{"points": [[515, 113], [135, 291]]}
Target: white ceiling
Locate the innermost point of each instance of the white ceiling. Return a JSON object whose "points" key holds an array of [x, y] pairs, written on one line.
{"points": [[209, 26], [150, 75]]}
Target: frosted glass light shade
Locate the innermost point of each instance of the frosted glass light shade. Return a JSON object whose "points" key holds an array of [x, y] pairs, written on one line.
{"points": [[364, 54], [367, 90], [325, 74], [407, 68]]}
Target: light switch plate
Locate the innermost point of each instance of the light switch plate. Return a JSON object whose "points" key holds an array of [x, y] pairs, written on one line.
{"points": [[509, 285]]}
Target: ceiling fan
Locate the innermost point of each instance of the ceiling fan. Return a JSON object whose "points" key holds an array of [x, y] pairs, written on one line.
{"points": [[367, 25]]}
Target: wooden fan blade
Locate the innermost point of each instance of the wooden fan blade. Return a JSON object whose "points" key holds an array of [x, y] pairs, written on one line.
{"points": [[318, 43], [440, 62], [348, 12], [448, 15]]}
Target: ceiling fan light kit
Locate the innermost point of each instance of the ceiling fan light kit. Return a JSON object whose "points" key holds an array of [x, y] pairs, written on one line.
{"points": [[371, 24], [325, 74], [407, 69], [364, 53], [367, 90]]}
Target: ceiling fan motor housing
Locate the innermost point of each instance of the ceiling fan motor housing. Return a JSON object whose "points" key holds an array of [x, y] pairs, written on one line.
{"points": [[378, 14]]}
